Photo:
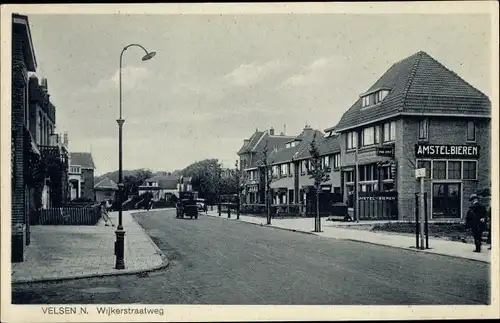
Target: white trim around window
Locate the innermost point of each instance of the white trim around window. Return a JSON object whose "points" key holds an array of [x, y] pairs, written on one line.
{"points": [[462, 161]]}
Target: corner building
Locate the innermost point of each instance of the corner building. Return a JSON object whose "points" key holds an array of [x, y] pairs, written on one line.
{"points": [[419, 114]]}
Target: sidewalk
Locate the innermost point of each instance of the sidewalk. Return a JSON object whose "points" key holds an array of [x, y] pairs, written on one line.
{"points": [[67, 252], [331, 230]]}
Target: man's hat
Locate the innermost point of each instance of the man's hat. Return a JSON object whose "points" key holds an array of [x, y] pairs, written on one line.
{"points": [[473, 196]]}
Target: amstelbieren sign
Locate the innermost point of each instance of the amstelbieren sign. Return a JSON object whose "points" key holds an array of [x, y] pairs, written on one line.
{"points": [[446, 151]]}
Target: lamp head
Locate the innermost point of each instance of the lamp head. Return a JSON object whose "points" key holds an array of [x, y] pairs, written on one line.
{"points": [[148, 56]]}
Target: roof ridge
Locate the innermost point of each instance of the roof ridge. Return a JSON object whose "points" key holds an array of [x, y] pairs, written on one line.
{"points": [[409, 81]]}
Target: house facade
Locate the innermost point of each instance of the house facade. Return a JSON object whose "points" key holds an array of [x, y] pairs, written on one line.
{"points": [[418, 114], [165, 185], [81, 176], [105, 190], [25, 155], [250, 157], [54, 190], [290, 161]]}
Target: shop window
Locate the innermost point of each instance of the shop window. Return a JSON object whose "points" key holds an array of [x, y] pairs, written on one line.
{"points": [[470, 170], [471, 131], [423, 129], [439, 170], [454, 170], [427, 165]]}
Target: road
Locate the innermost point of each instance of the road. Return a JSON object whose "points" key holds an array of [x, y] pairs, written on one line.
{"points": [[217, 261]]}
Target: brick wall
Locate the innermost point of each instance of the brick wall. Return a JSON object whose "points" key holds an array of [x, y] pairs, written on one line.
{"points": [[446, 131], [18, 187]]}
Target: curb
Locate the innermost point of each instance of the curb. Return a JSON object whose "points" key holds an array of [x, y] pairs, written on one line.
{"points": [[164, 264], [265, 225], [367, 242], [417, 250], [76, 277]]}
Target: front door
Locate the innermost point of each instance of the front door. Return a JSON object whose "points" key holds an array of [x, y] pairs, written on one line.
{"points": [[446, 200]]}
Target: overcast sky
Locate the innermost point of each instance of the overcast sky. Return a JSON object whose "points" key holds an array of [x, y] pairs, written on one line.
{"points": [[216, 78]]}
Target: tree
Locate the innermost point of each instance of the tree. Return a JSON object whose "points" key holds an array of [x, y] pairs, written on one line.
{"points": [[204, 176], [319, 174], [268, 173], [240, 178]]}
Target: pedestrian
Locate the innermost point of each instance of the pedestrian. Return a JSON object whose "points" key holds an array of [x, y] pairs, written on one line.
{"points": [[105, 214], [476, 220]]}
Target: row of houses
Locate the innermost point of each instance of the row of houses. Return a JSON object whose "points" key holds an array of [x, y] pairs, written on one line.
{"points": [[418, 114], [44, 173]]}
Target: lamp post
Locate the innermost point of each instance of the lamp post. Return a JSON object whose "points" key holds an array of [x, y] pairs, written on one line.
{"points": [[120, 232]]}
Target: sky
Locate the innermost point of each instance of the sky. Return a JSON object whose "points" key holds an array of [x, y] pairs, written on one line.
{"points": [[217, 78]]}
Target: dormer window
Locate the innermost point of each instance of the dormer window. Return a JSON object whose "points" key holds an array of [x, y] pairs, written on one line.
{"points": [[373, 98]]}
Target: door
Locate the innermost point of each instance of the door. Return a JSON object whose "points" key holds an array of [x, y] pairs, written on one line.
{"points": [[446, 200]]}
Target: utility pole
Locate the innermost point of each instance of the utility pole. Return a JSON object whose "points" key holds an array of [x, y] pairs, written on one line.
{"points": [[356, 180], [420, 174]]}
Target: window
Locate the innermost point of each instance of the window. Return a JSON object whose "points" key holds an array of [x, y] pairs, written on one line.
{"points": [[352, 140], [336, 161], [439, 170], [349, 176], [377, 134], [427, 165], [367, 173], [368, 136], [423, 129], [470, 170], [326, 161], [454, 170], [290, 197], [284, 169], [304, 166], [389, 131], [365, 101], [471, 131]]}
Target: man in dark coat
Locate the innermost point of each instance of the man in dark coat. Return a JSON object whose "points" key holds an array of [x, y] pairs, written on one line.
{"points": [[476, 220]]}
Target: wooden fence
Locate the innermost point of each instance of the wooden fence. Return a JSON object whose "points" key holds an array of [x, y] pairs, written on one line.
{"points": [[68, 216]]}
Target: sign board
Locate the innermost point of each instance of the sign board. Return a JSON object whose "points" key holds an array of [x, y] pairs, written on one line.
{"points": [[377, 196], [421, 172], [447, 151], [385, 151]]}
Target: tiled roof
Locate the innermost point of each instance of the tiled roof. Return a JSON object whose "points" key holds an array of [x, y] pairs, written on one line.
{"points": [[165, 181], [326, 146], [288, 154], [82, 159], [418, 84], [254, 139], [106, 183]]}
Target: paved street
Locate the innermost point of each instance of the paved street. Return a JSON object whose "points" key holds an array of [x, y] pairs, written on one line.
{"points": [[229, 262]]}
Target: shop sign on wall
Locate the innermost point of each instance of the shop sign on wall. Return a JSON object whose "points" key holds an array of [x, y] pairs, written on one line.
{"points": [[447, 151]]}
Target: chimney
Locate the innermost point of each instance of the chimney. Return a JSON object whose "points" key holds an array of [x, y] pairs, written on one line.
{"points": [[44, 84], [271, 131], [284, 129], [65, 140]]}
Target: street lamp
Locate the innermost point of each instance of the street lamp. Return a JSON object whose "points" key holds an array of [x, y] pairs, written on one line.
{"points": [[120, 233]]}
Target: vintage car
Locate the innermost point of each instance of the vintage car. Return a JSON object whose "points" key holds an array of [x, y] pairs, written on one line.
{"points": [[187, 207]]}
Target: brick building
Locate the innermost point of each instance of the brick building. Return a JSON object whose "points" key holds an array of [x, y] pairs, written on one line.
{"points": [[250, 155], [23, 150], [53, 192], [39, 161], [81, 176], [289, 159], [418, 114]]}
